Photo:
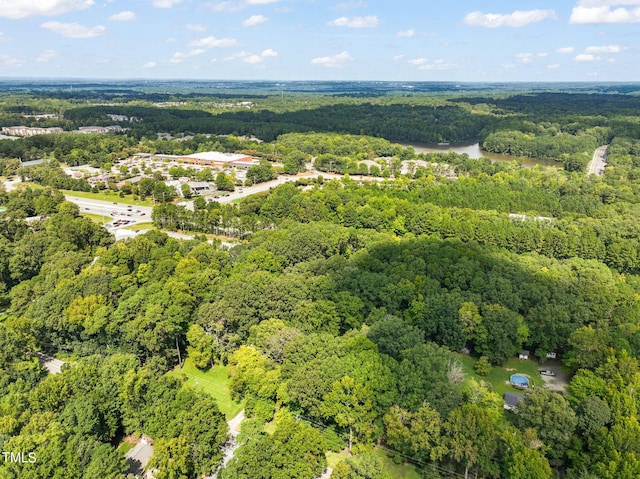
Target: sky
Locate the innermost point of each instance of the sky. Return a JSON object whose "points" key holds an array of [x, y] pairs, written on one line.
{"points": [[360, 40]]}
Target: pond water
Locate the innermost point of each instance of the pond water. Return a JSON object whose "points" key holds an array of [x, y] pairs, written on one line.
{"points": [[474, 151]]}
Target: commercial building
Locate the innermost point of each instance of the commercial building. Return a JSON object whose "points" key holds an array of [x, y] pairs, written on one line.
{"points": [[215, 158], [29, 131]]}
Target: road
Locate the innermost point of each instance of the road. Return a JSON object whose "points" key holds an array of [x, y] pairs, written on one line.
{"points": [[51, 364], [597, 164], [266, 186], [134, 214]]}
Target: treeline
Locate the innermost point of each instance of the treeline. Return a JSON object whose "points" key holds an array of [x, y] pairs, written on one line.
{"points": [[67, 423], [398, 122], [567, 218], [73, 149], [25, 249], [346, 328]]}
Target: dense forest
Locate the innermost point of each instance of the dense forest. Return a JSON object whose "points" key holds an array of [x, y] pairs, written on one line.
{"points": [[360, 319]]}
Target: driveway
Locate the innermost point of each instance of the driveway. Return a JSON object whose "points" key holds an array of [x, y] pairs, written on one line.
{"points": [[560, 381]]}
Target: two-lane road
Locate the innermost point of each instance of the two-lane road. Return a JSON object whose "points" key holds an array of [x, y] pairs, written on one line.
{"points": [[597, 164]]}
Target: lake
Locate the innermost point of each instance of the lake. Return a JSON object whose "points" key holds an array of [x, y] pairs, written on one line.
{"points": [[474, 151]]}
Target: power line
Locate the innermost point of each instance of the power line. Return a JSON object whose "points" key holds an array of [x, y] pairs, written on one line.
{"points": [[421, 465]]}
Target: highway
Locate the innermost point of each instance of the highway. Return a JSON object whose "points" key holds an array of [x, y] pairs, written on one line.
{"points": [[108, 209], [597, 164]]}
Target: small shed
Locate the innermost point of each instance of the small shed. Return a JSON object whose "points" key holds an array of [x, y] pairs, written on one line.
{"points": [[511, 400], [524, 354], [552, 355]]}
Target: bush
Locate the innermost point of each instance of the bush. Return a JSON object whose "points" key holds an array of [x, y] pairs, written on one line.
{"points": [[483, 366]]}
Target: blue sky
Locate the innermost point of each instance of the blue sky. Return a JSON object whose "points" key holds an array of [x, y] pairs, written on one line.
{"points": [[403, 40]]}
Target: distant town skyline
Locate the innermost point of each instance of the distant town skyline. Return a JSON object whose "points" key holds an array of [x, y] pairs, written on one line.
{"points": [[405, 40]]}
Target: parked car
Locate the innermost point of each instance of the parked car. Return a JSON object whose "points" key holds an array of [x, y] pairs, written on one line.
{"points": [[546, 372]]}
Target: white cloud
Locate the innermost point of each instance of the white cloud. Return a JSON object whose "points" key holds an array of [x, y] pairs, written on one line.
{"points": [[604, 49], [213, 42], [237, 55], [7, 61], [407, 33], [46, 55], [333, 61], [149, 65], [350, 5], [566, 50], [196, 28], [179, 56], [253, 59], [605, 11], [165, 3], [586, 57], [74, 30], [424, 64], [28, 8], [123, 16], [222, 6], [418, 61], [254, 20], [398, 57], [599, 3], [519, 18], [553, 66], [234, 6], [370, 21], [525, 57]]}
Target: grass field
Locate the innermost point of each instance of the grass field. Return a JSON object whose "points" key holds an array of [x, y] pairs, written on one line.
{"points": [[108, 196], [28, 184], [499, 375], [97, 218], [140, 226], [397, 471], [125, 447], [214, 382]]}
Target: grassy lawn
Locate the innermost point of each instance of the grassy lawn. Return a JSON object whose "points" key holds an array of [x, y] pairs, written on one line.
{"points": [[334, 458], [28, 184], [397, 471], [499, 375], [214, 382], [125, 447], [97, 218], [140, 226], [108, 196]]}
